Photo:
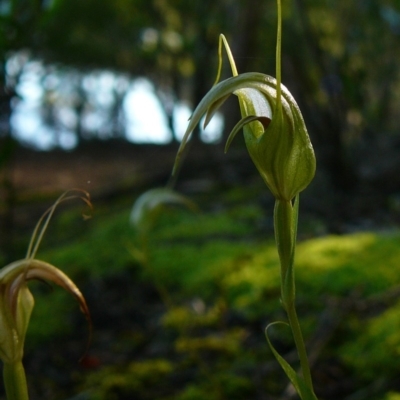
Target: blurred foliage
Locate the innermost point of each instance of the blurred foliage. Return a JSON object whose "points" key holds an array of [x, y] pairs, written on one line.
{"points": [[143, 379], [138, 36], [338, 41], [347, 92], [339, 62], [19, 23], [49, 306], [378, 343], [219, 267]]}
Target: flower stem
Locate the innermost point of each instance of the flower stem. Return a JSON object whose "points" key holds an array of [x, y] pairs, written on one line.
{"points": [[15, 381], [300, 346], [285, 221]]}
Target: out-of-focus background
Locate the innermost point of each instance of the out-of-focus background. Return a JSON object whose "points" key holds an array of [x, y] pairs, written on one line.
{"points": [[96, 95]]}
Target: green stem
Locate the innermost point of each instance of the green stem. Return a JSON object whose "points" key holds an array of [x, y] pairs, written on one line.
{"points": [[300, 346], [15, 381], [285, 221], [278, 53]]}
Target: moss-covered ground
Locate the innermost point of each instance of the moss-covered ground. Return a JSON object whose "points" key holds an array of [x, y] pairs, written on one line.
{"points": [[185, 320]]}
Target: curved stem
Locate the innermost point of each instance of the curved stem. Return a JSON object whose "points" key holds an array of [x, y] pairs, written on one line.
{"points": [[15, 381]]}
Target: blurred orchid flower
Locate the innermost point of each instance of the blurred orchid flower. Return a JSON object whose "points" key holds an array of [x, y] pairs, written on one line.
{"points": [[150, 204], [274, 130], [16, 300], [146, 210]]}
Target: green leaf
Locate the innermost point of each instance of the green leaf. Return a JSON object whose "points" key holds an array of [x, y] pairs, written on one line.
{"points": [[302, 389]]}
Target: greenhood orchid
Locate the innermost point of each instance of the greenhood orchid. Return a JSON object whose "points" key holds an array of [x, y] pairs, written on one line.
{"points": [[17, 302], [278, 143]]}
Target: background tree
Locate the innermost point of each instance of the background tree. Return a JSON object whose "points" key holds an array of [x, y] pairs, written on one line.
{"points": [[19, 22], [338, 61]]}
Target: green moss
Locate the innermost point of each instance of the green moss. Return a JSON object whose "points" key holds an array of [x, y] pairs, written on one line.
{"points": [[180, 318], [363, 262], [141, 379], [235, 222], [227, 344], [198, 268], [218, 258], [377, 348], [222, 386], [252, 280], [101, 251], [392, 396], [54, 307]]}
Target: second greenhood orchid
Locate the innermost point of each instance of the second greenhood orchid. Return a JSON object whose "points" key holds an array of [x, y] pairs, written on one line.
{"points": [[17, 302]]}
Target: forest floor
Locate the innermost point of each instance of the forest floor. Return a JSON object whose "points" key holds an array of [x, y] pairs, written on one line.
{"points": [[111, 169], [139, 334]]}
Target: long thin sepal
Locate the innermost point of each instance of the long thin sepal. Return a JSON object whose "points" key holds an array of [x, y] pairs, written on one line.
{"points": [[213, 109], [244, 121]]}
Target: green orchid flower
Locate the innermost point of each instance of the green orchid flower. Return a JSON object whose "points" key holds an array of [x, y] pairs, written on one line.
{"points": [[274, 130]]}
